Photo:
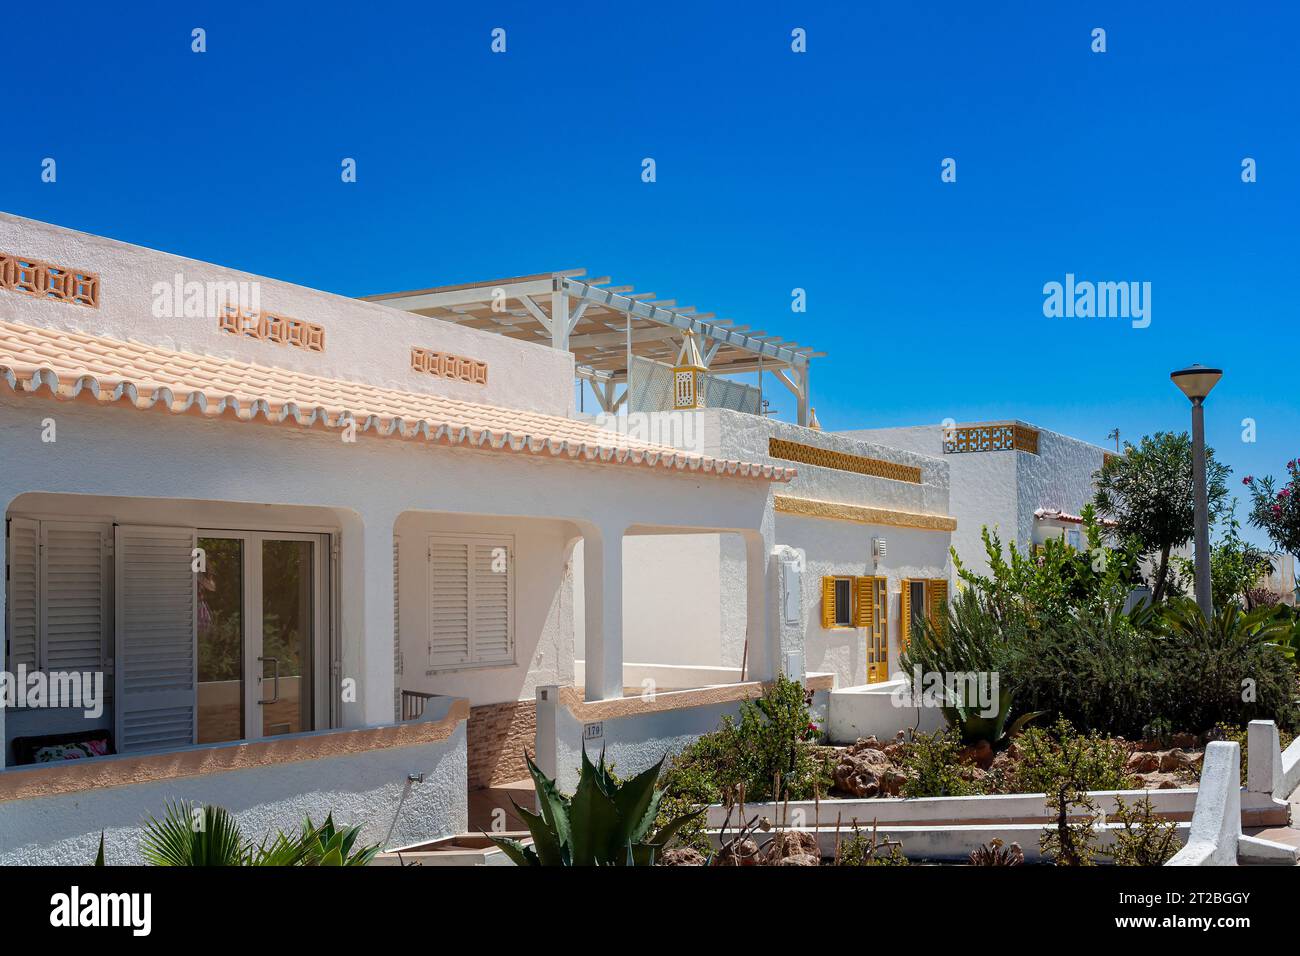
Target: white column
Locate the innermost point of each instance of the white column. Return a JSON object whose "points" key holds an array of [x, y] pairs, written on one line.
{"points": [[559, 320], [602, 554], [366, 607], [803, 396], [762, 659]]}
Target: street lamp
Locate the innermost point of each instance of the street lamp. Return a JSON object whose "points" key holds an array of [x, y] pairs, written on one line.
{"points": [[1195, 382]]}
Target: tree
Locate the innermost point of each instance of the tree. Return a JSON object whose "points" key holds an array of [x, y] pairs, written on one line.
{"points": [[1148, 493], [1275, 511]]}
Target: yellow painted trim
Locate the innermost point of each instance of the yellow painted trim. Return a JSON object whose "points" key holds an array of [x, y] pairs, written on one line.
{"points": [[842, 461], [811, 508]]}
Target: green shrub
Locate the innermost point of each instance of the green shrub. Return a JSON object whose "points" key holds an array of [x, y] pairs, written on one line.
{"points": [[932, 763], [1058, 757], [1145, 839], [746, 757], [1233, 669], [867, 849], [1101, 670]]}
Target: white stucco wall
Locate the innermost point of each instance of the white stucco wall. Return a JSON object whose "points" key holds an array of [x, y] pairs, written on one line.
{"points": [[673, 605], [543, 608], [364, 341]]}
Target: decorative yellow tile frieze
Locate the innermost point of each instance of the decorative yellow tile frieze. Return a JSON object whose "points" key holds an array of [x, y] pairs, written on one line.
{"points": [[445, 365], [270, 327], [811, 508], [842, 461], [1000, 437], [45, 280]]}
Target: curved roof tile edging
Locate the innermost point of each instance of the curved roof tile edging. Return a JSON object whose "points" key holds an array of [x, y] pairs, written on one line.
{"points": [[69, 365]]}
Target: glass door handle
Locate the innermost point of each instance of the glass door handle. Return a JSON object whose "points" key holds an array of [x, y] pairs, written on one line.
{"points": [[275, 677]]}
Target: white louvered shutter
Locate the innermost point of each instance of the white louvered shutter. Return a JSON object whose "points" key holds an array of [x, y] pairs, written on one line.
{"points": [[75, 595], [23, 594], [448, 601], [156, 638], [492, 637]]}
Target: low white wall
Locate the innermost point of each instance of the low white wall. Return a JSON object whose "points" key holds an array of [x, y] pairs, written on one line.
{"points": [[951, 843], [1216, 824], [986, 808], [631, 743], [870, 710], [1289, 775], [666, 676], [362, 788]]}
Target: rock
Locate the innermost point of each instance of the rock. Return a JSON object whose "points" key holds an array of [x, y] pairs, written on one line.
{"points": [[895, 752], [1142, 762], [859, 774], [866, 743], [1186, 741], [891, 782], [738, 853], [1175, 759], [856, 783], [681, 856], [792, 843], [801, 859], [1167, 785]]}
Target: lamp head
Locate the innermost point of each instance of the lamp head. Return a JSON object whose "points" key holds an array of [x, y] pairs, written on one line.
{"points": [[1196, 381]]}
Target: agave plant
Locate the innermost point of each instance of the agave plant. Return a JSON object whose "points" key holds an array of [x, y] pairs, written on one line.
{"points": [[994, 853], [973, 725], [605, 823], [188, 835]]}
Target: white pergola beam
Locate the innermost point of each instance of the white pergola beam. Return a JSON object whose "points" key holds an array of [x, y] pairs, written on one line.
{"points": [[668, 317]]}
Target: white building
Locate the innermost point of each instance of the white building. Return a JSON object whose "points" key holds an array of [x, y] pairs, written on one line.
{"points": [[320, 552], [1025, 482]]}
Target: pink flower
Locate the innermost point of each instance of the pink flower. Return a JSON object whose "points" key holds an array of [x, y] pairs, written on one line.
{"points": [[1284, 493], [1247, 480], [1277, 509]]}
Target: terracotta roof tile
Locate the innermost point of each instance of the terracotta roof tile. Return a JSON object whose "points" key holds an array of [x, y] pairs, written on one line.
{"points": [[66, 365]]}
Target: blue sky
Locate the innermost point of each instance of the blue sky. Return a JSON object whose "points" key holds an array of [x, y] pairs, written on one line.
{"points": [[775, 171]]}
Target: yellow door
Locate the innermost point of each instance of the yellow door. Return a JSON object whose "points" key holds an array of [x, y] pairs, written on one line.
{"points": [[873, 604]]}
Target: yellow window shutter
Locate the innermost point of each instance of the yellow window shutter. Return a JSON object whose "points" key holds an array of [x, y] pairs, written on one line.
{"points": [[905, 615], [937, 591], [828, 602], [864, 593]]}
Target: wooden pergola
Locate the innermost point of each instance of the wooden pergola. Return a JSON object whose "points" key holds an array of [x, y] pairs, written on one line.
{"points": [[605, 326]]}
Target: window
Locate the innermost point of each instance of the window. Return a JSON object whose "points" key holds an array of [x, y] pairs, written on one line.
{"points": [[471, 600], [1074, 539], [59, 581], [923, 597], [848, 601]]}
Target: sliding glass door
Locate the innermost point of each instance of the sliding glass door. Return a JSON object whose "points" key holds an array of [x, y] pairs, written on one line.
{"points": [[262, 634]]}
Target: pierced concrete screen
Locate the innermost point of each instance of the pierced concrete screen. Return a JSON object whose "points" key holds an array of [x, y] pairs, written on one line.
{"points": [[45, 280]]}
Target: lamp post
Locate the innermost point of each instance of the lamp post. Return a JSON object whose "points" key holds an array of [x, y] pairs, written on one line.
{"points": [[1195, 382]]}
